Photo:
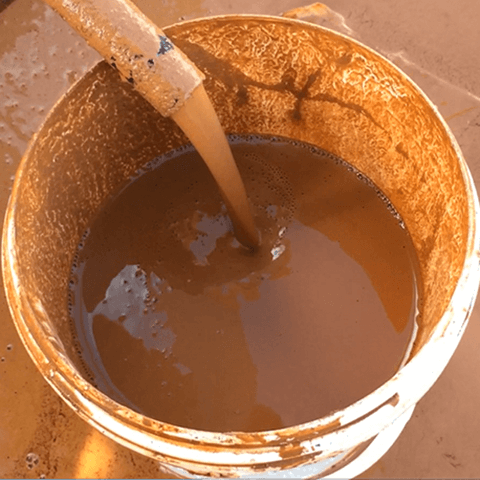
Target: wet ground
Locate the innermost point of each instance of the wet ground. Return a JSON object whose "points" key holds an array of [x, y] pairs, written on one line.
{"points": [[433, 41]]}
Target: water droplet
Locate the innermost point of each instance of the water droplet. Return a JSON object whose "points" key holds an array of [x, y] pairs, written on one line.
{"points": [[9, 347]]}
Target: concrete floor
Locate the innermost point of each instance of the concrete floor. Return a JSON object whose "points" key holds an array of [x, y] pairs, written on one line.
{"points": [[434, 41]]}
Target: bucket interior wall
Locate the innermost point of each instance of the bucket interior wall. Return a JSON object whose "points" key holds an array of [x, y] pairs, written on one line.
{"points": [[281, 78]]}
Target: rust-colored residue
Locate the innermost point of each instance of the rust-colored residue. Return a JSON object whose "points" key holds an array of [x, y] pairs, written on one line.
{"points": [[291, 451], [315, 9]]}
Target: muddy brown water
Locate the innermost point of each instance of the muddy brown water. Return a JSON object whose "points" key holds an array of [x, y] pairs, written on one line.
{"points": [[178, 321]]}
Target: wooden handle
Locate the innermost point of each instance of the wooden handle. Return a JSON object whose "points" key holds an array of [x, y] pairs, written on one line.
{"points": [[136, 47]]}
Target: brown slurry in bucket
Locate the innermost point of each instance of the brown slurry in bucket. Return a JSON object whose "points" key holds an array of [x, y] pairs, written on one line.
{"points": [[178, 322]]}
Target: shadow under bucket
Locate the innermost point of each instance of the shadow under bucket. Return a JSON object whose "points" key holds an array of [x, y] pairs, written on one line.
{"points": [[266, 76]]}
